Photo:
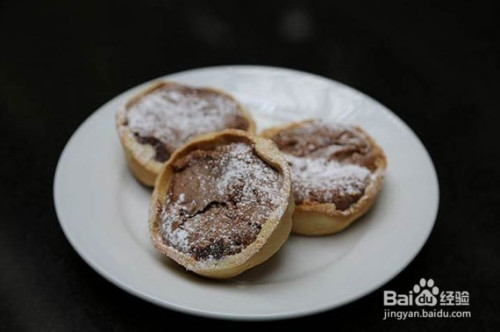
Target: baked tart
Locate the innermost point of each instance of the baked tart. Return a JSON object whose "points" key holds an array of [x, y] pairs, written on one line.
{"points": [[337, 172], [166, 115], [222, 204]]}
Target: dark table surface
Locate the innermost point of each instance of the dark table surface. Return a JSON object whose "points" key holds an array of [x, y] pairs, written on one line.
{"points": [[436, 66]]}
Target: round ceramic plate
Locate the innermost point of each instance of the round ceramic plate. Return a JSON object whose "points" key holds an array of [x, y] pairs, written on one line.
{"points": [[103, 210]]}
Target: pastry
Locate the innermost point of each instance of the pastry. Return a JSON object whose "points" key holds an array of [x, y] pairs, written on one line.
{"points": [[155, 122], [337, 172], [222, 204]]}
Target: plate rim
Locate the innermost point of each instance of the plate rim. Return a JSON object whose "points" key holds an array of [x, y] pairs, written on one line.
{"points": [[237, 316]]}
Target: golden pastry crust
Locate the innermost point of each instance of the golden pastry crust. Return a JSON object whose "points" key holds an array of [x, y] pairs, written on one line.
{"points": [[140, 157], [313, 218], [274, 232]]}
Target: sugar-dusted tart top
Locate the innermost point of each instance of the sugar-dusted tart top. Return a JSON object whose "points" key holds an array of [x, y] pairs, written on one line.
{"points": [[331, 162], [218, 200], [170, 114]]}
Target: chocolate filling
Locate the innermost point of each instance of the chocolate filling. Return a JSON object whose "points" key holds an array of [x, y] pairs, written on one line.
{"points": [[219, 200], [171, 115], [330, 163], [161, 152], [341, 200], [342, 144]]}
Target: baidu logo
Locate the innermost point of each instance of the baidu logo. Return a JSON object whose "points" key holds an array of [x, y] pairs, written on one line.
{"points": [[426, 293], [426, 300]]}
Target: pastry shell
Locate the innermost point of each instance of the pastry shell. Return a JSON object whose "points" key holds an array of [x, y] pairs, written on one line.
{"points": [[140, 157], [324, 218], [275, 230]]}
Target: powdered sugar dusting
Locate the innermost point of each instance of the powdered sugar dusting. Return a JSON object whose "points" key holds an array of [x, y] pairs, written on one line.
{"points": [[219, 201], [174, 114], [331, 162], [323, 179]]}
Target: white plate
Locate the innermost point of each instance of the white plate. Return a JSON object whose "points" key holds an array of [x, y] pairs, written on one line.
{"points": [[103, 210]]}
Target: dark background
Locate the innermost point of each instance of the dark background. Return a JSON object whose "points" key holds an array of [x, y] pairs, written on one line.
{"points": [[436, 66]]}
